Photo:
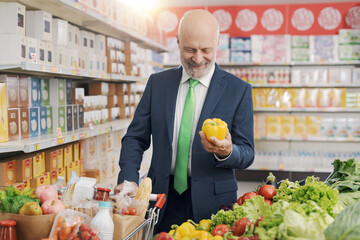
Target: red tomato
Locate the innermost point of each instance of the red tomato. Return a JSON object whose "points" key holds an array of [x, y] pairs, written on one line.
{"points": [[132, 211], [267, 191], [95, 238], [248, 195], [220, 230], [260, 219], [163, 236], [240, 201], [125, 211], [239, 227], [93, 232], [267, 201], [85, 227], [85, 235]]}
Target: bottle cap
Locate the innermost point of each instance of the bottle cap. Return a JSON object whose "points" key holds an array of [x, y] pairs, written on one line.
{"points": [[105, 204], [7, 223]]}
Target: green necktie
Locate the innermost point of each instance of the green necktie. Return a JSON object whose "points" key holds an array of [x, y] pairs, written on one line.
{"points": [[182, 156]]}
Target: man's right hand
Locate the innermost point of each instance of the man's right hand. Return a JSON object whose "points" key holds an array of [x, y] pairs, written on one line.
{"points": [[120, 186]]}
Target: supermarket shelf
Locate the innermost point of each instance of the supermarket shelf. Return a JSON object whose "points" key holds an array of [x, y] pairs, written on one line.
{"points": [[51, 71], [47, 141], [313, 139], [85, 17], [285, 85], [251, 64], [325, 110]]}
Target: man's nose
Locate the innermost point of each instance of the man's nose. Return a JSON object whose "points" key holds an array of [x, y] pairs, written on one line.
{"points": [[198, 58]]}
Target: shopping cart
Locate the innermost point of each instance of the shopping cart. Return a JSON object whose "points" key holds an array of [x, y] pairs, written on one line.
{"points": [[146, 230]]}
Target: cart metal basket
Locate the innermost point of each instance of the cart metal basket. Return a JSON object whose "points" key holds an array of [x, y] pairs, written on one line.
{"points": [[146, 230]]}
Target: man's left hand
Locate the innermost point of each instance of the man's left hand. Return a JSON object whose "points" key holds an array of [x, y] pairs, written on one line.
{"points": [[221, 148]]}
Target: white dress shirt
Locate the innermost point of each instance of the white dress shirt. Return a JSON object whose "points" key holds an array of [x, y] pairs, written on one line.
{"points": [[201, 90]]}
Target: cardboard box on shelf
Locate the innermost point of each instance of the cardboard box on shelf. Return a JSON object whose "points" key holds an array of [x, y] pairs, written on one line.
{"points": [[12, 18], [27, 184], [60, 158], [24, 123], [91, 42], [61, 56], [13, 124], [13, 48], [32, 48], [76, 167], [3, 114], [75, 112], [81, 115], [69, 169], [78, 95], [53, 176], [51, 160], [37, 166], [47, 178], [42, 52], [69, 118], [76, 153], [12, 90], [60, 32], [38, 181], [57, 92], [93, 173], [49, 120], [43, 120], [24, 91], [100, 45], [69, 92], [61, 172], [34, 92], [34, 121], [59, 118], [39, 25], [45, 92], [84, 41], [74, 58], [98, 88], [49, 53], [7, 172]]}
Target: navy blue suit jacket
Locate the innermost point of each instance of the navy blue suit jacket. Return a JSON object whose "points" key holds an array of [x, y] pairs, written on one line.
{"points": [[213, 183]]}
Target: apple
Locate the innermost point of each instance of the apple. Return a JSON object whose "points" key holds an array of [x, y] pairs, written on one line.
{"points": [[39, 190], [52, 206], [47, 193]]}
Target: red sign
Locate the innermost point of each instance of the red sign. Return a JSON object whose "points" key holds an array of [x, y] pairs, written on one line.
{"points": [[294, 19]]}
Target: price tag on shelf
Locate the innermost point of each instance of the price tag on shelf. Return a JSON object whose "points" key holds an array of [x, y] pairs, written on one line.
{"points": [[107, 130], [60, 141], [76, 5], [73, 138], [100, 131], [59, 133], [42, 68], [81, 135], [37, 146], [54, 69], [86, 135]]}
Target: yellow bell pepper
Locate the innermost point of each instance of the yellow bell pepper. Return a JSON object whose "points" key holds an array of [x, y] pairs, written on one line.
{"points": [[217, 237], [184, 229], [214, 128], [199, 235], [175, 234], [205, 224]]}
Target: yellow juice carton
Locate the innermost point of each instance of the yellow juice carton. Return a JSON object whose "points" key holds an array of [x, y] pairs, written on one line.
{"points": [[273, 126], [313, 124]]}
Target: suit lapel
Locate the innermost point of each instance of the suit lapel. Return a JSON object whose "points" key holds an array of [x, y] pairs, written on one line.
{"points": [[170, 100], [215, 92]]}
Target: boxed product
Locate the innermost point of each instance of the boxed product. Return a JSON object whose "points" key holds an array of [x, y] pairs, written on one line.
{"points": [[75, 109], [57, 92], [349, 36], [34, 89], [340, 128], [298, 97], [38, 167], [312, 96], [13, 48], [81, 116], [24, 168], [68, 171], [69, 92], [34, 121], [32, 48], [327, 127], [78, 95], [100, 45], [12, 90], [325, 97], [340, 75], [51, 160], [61, 56], [49, 53], [60, 32], [74, 58], [273, 126], [24, 123], [338, 99], [27, 184], [84, 41], [24, 91], [313, 126], [69, 118], [60, 158], [43, 120], [270, 48], [91, 42], [353, 127], [42, 52], [76, 151], [38, 181], [324, 48], [13, 124], [68, 155], [300, 130], [349, 52], [12, 18], [45, 92], [39, 25], [53, 176], [287, 126], [59, 118], [98, 88], [49, 120], [7, 172], [240, 44]]}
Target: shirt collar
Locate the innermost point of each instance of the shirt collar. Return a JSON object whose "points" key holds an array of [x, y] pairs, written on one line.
{"points": [[204, 80]]}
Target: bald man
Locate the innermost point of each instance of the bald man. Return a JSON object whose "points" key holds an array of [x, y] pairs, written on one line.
{"points": [[209, 180]]}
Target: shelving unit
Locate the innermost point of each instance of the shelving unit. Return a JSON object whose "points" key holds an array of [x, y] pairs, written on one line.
{"points": [[47, 141]]}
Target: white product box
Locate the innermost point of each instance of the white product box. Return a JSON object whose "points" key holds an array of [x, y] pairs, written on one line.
{"points": [[42, 52], [324, 48], [349, 36], [32, 45], [61, 56], [13, 49], [12, 89], [84, 41], [90, 62], [82, 60], [91, 39], [74, 36], [60, 31], [12, 18], [49, 53], [34, 92], [57, 92], [39, 25], [59, 118], [100, 45], [74, 57]]}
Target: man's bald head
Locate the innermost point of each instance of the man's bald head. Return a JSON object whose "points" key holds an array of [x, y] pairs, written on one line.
{"points": [[199, 22]]}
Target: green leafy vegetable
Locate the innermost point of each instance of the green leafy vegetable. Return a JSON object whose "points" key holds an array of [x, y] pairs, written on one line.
{"points": [[346, 225], [255, 207], [348, 198], [13, 199], [345, 176]]}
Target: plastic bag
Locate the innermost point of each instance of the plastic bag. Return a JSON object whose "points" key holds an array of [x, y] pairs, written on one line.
{"points": [[70, 224]]}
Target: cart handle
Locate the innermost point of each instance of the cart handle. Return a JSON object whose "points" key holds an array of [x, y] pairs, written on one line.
{"points": [[159, 198]]}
